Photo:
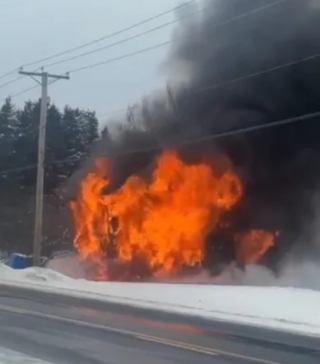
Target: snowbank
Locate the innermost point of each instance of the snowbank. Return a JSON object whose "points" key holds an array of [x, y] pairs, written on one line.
{"points": [[291, 309], [69, 266], [13, 357]]}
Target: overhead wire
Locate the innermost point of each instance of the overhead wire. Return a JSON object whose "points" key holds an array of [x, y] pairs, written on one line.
{"points": [[187, 141], [118, 58], [112, 112], [9, 73], [238, 17], [123, 40], [244, 77], [260, 73], [214, 86], [35, 165], [203, 89], [190, 141], [95, 41], [239, 79], [215, 26], [228, 21], [11, 81], [20, 92], [111, 34], [128, 55]]}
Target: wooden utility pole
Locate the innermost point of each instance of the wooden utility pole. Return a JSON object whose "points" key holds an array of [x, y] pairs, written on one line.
{"points": [[41, 157]]}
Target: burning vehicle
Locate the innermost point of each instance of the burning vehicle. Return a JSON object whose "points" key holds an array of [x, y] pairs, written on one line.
{"points": [[172, 194], [169, 224]]}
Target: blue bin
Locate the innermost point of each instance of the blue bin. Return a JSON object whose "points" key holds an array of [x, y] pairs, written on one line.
{"points": [[20, 261]]}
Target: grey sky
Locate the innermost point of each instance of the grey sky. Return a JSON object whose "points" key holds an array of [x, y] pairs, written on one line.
{"points": [[33, 29]]}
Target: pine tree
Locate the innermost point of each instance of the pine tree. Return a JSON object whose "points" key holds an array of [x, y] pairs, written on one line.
{"points": [[8, 134], [70, 134]]}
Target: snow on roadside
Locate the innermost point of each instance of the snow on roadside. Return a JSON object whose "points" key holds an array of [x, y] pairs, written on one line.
{"points": [[289, 309], [8, 356]]}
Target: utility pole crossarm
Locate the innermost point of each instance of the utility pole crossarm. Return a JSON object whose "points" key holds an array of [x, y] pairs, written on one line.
{"points": [[41, 157], [39, 74]]}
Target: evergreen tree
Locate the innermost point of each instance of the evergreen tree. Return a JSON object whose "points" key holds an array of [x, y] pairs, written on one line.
{"points": [[70, 135], [8, 134]]}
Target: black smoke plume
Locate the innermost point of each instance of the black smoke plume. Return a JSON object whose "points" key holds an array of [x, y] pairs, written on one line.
{"points": [[279, 166]]}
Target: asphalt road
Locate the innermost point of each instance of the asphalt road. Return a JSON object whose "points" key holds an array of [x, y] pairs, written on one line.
{"points": [[65, 330]]}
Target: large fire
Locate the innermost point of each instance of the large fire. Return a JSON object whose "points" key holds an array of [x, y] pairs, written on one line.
{"points": [[163, 221]]}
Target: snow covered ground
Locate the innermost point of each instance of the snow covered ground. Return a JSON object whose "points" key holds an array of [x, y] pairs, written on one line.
{"points": [[12, 357], [281, 308]]}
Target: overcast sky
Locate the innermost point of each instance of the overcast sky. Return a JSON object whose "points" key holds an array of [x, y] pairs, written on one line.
{"points": [[34, 29]]}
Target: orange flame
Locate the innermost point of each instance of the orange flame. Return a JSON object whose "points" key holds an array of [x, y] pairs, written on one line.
{"points": [[164, 221], [253, 245]]}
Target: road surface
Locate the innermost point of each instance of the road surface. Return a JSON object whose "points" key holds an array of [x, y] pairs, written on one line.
{"points": [[64, 330]]}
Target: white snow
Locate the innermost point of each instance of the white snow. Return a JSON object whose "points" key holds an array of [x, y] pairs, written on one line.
{"points": [[68, 265], [13, 357], [281, 308]]}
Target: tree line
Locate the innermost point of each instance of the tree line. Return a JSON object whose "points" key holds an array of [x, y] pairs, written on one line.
{"points": [[70, 135]]}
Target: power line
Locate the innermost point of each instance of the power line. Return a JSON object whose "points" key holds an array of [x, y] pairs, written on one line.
{"points": [[244, 15], [20, 169], [122, 40], [238, 17], [215, 86], [255, 128], [186, 142], [9, 73], [17, 78], [32, 166], [20, 93], [211, 87], [95, 41], [128, 55], [11, 81], [216, 26], [99, 64], [259, 73], [112, 112], [99, 49], [241, 16], [229, 133], [23, 91]]}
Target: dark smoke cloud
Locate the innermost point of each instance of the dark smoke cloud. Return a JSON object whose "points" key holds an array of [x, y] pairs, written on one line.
{"points": [[279, 166]]}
